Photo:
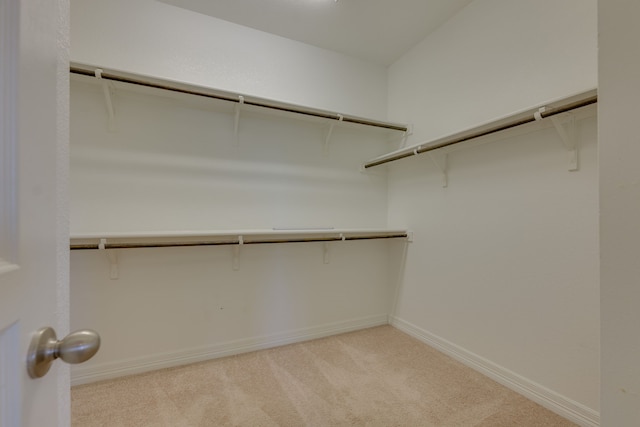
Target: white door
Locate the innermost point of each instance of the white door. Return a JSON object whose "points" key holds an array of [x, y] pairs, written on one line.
{"points": [[33, 207]]}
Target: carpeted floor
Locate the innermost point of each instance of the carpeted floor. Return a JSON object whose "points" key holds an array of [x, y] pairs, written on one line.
{"points": [[374, 377]]}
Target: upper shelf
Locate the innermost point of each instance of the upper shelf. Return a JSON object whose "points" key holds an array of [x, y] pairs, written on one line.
{"points": [[550, 109], [239, 99]]}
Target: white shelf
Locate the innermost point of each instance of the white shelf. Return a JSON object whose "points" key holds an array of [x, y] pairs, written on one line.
{"points": [[115, 240], [154, 84], [531, 115]]}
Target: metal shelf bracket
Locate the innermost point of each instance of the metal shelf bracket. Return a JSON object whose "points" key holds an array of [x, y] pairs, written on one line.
{"points": [[440, 160], [106, 90], [327, 139], [236, 123], [326, 254], [569, 136], [236, 253], [112, 257], [405, 136]]}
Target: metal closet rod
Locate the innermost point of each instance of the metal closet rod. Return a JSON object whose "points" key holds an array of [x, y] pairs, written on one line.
{"points": [[583, 100], [194, 90], [228, 243]]}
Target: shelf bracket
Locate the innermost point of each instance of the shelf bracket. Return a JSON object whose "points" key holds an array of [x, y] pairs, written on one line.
{"points": [[405, 137], [107, 97], [326, 256], [441, 163], [236, 123], [327, 139], [112, 257], [236, 253], [569, 136]]}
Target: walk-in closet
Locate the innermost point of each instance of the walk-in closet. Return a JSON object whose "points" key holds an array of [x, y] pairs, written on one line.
{"points": [[233, 190]]}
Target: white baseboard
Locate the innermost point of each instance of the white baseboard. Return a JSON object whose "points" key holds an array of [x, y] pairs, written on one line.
{"points": [[551, 400], [87, 374]]}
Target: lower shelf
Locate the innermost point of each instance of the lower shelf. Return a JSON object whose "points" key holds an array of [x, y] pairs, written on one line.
{"points": [[227, 237]]}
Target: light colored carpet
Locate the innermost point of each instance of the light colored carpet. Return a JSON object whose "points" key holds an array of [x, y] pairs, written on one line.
{"points": [[374, 377]]}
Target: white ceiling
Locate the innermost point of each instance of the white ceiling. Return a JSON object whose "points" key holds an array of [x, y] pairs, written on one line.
{"points": [[379, 31]]}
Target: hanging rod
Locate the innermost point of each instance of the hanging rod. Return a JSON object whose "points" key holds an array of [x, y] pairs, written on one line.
{"points": [[130, 78], [529, 116], [227, 243]]}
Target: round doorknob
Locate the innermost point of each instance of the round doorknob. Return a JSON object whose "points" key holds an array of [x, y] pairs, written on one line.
{"points": [[77, 347]]}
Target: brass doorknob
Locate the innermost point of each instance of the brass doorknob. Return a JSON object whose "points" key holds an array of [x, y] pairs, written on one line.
{"points": [[77, 347]]}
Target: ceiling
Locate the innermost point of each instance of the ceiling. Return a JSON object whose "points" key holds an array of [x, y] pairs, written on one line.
{"points": [[378, 31]]}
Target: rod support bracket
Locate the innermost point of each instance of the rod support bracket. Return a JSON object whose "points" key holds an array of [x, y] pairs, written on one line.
{"points": [[538, 115], [327, 139], [236, 123], [236, 253], [440, 160], [569, 135], [112, 257], [106, 91], [326, 254], [405, 136]]}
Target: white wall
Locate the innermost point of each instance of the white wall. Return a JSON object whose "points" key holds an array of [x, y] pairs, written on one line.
{"points": [[493, 58], [619, 151], [504, 267], [153, 38], [173, 164], [173, 306]]}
